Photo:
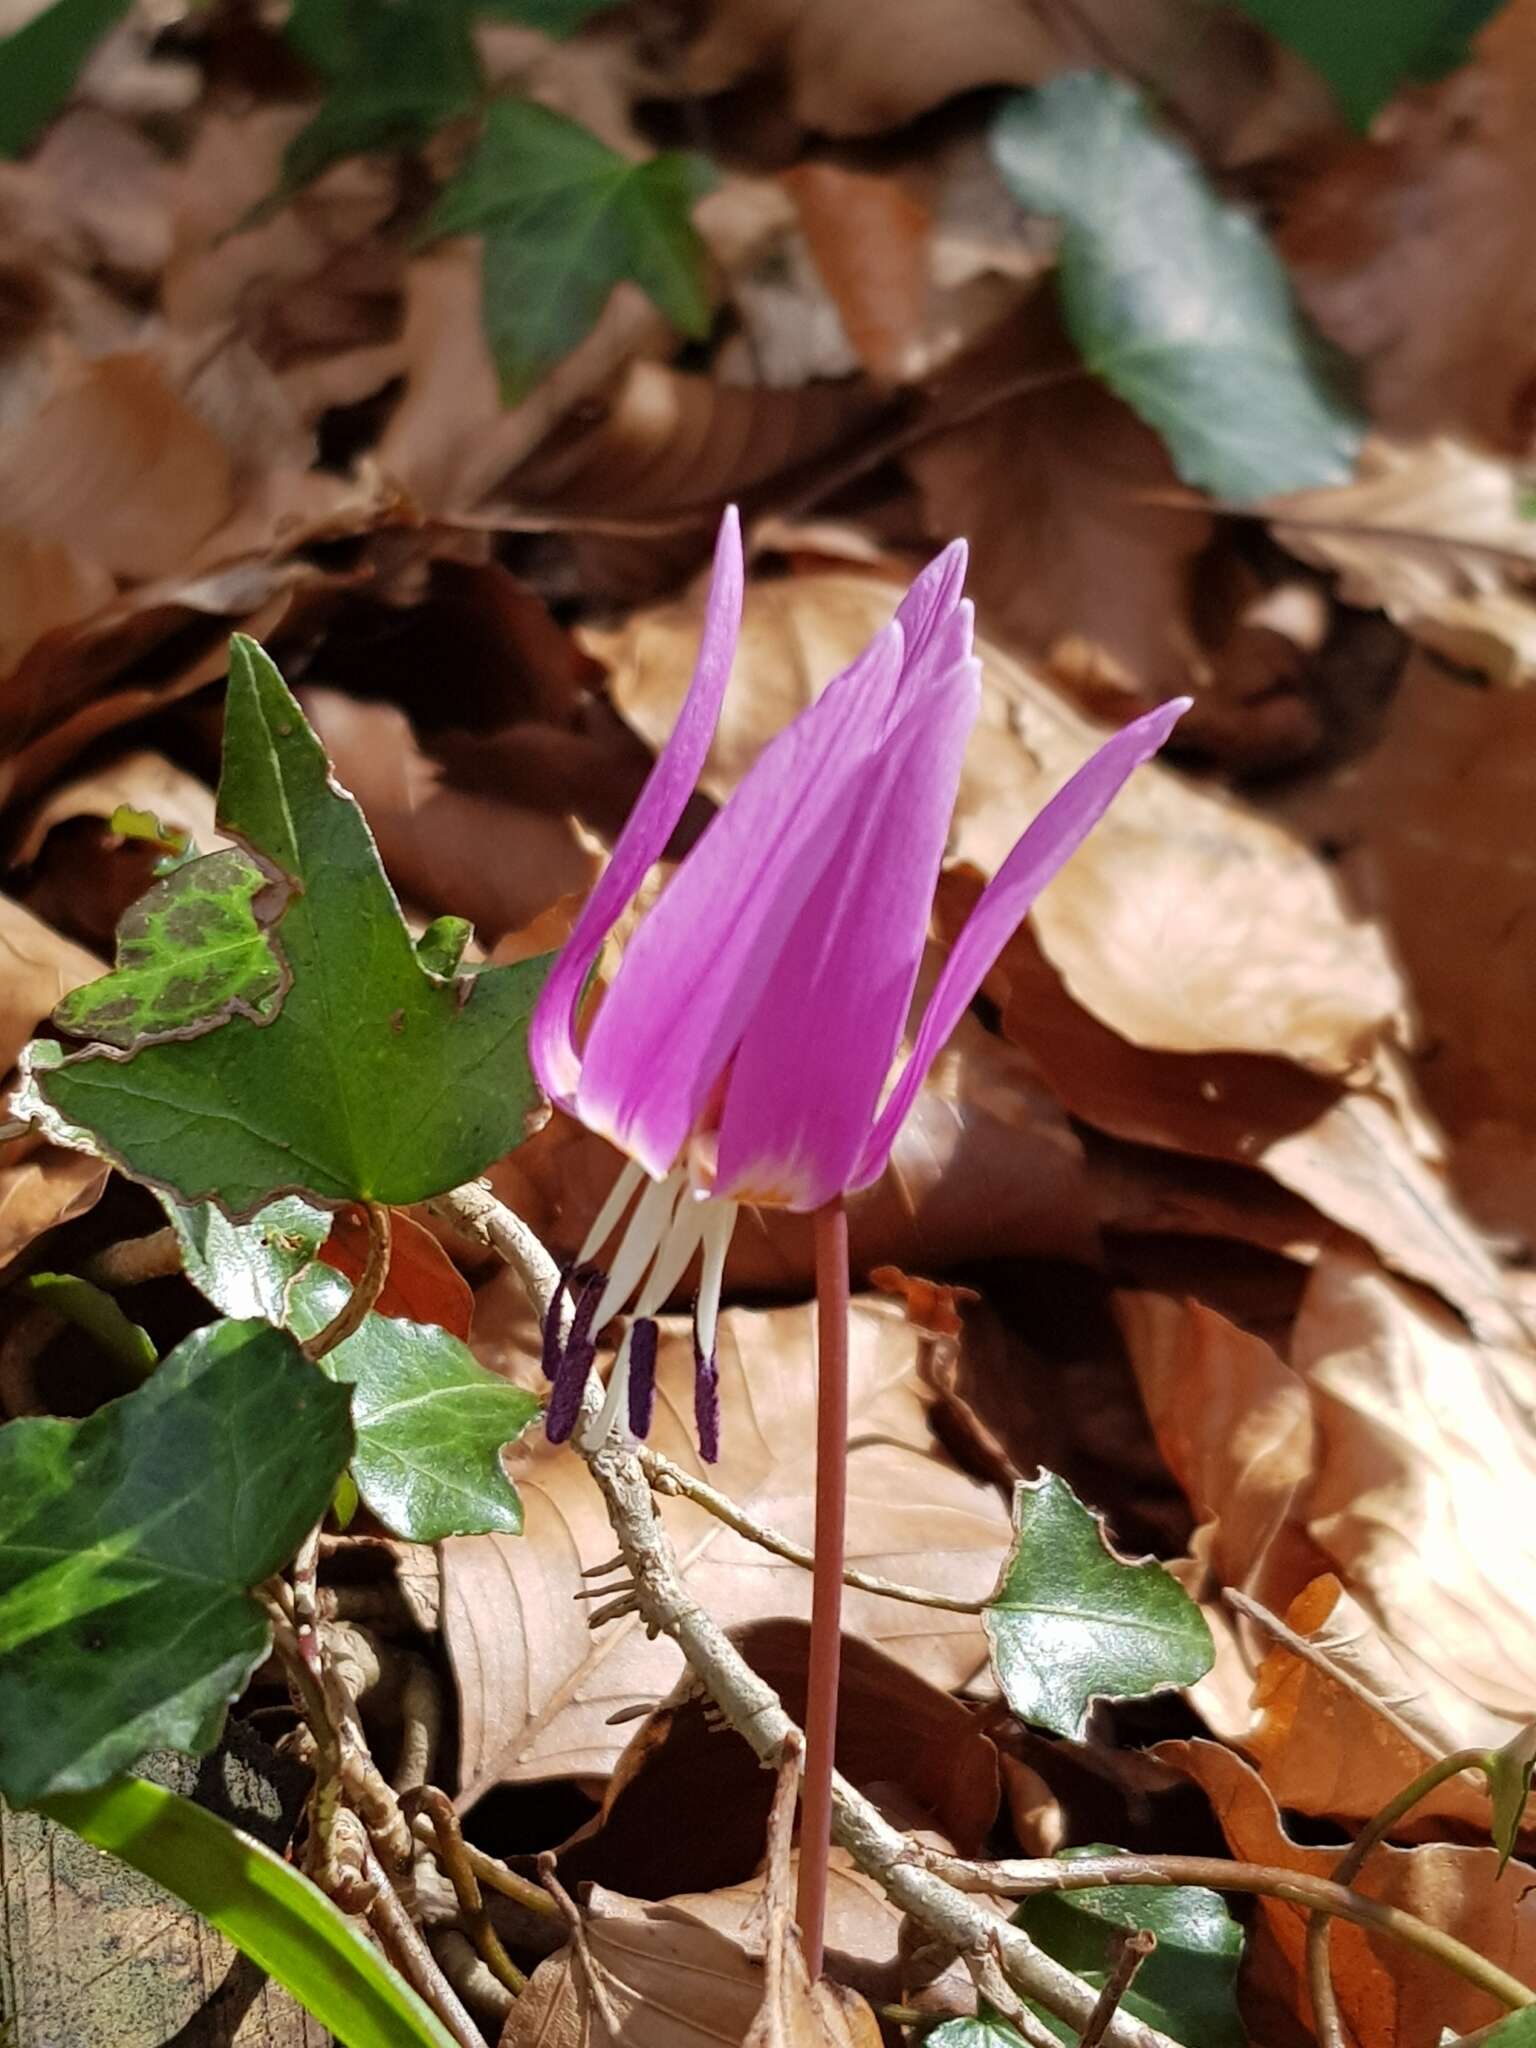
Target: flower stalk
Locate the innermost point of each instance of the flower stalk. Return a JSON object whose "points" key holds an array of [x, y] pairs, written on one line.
{"points": [[821, 1680]]}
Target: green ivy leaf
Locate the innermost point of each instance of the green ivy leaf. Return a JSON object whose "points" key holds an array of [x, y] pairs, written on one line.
{"points": [[1517, 2031], [430, 1421], [129, 1542], [1172, 296], [1187, 1987], [41, 61], [100, 1315], [1508, 1771], [441, 946], [1369, 48], [376, 1080], [564, 219], [192, 952], [401, 69], [987, 2030], [1070, 1622]]}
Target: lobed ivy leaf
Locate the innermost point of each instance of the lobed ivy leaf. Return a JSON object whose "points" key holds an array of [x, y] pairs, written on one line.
{"points": [[1071, 1622], [194, 950], [558, 18], [430, 1421], [987, 2030], [41, 60], [377, 1079], [1187, 1987], [399, 70], [1516, 2030], [1172, 295], [565, 218], [129, 1543], [1371, 47]]}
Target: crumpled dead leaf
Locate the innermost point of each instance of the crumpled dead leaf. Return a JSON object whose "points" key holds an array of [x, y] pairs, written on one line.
{"points": [[41, 966], [1393, 1450], [849, 72], [1389, 1995], [637, 1975], [1187, 922], [536, 1687], [1412, 248], [496, 862], [686, 1809], [1434, 827], [41, 1186], [1433, 534]]}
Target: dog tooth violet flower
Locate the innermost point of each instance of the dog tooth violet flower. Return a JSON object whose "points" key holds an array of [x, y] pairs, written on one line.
{"points": [[740, 1053]]}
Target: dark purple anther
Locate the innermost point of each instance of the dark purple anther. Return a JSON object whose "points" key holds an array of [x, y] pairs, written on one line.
{"points": [[550, 1359], [642, 1375], [706, 1402], [570, 1375]]}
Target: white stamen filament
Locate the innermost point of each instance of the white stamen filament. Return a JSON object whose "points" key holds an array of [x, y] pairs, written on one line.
{"points": [[611, 1211], [596, 1436], [638, 1246], [717, 1228]]}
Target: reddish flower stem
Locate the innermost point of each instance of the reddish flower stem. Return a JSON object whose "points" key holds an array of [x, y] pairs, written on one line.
{"points": [[827, 1575]]}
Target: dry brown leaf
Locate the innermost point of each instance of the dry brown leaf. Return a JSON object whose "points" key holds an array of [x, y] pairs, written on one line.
{"points": [[450, 439], [40, 967], [1390, 1996], [41, 1186], [687, 1809], [638, 1976], [1361, 1157], [1187, 922], [1424, 1492], [536, 1688], [1435, 830], [1237, 1430], [117, 466], [852, 72], [863, 1927], [451, 849], [1068, 559], [869, 238], [1415, 250], [1433, 535], [1323, 1749], [142, 781], [45, 585]]}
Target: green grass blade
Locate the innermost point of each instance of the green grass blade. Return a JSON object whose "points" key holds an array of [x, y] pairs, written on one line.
{"points": [[264, 1906]]}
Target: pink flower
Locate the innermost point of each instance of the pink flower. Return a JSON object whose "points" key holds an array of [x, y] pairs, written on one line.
{"points": [[741, 1050]]}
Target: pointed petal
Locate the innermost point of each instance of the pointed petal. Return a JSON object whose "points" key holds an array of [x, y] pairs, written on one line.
{"points": [[807, 1076], [692, 972], [1046, 847], [552, 1033]]}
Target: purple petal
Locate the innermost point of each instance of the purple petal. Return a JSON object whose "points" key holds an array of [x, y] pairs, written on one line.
{"points": [[552, 1032], [642, 1375], [706, 1403], [807, 1077], [698, 963], [1049, 842]]}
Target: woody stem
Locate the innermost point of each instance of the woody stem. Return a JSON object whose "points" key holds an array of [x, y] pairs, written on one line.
{"points": [[827, 1574]]}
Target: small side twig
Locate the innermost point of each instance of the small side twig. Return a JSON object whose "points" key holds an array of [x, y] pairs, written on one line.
{"points": [[669, 1478], [134, 1260], [1325, 2004], [490, 1870], [1134, 1949], [406, 1947], [437, 1807], [349, 1318]]}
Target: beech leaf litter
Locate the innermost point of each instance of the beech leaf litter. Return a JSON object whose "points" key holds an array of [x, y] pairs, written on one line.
{"points": [[415, 353]]}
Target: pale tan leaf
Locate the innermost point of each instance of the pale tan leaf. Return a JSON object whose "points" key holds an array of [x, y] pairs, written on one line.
{"points": [[536, 1687], [869, 238], [45, 584], [40, 966], [40, 1186], [1390, 1995], [1433, 535], [638, 1975]]}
